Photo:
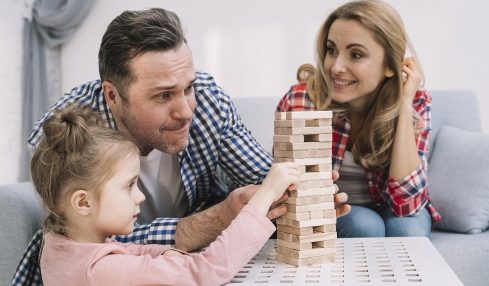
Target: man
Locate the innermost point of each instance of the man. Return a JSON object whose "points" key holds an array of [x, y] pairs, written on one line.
{"points": [[185, 126]]}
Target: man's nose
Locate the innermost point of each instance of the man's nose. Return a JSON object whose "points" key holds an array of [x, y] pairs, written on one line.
{"points": [[182, 108]]}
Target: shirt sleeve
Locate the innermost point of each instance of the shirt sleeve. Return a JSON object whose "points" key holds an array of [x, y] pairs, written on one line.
{"points": [[240, 155], [160, 231], [28, 271], [214, 266], [85, 94], [410, 194]]}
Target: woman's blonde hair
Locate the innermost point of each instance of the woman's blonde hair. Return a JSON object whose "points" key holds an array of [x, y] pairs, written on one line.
{"points": [[372, 149], [77, 152]]}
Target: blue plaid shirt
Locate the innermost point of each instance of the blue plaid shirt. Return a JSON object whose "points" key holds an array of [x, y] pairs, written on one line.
{"points": [[217, 138]]}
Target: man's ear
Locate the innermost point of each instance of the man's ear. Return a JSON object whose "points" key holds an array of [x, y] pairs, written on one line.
{"points": [[80, 202], [388, 72], [111, 94]]}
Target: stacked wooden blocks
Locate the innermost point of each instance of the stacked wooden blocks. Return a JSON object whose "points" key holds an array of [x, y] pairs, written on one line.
{"points": [[306, 235]]}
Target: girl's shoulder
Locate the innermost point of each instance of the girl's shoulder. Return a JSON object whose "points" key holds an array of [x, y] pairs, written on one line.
{"points": [[296, 99]]}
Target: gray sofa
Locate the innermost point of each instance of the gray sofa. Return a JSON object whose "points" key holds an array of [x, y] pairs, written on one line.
{"points": [[467, 254]]}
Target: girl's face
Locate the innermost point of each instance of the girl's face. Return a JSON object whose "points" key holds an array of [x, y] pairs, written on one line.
{"points": [[354, 63], [118, 205]]}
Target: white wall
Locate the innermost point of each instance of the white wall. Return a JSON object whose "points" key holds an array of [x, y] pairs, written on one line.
{"points": [[253, 48], [10, 95]]}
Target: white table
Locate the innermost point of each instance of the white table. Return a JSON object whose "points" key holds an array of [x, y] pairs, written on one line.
{"points": [[359, 261]]}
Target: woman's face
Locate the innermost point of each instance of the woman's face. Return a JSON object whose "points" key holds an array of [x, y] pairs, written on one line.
{"points": [[354, 63]]}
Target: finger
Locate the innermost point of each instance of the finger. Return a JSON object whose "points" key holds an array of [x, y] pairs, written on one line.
{"points": [[335, 175], [340, 198], [277, 212], [282, 199], [292, 187], [343, 210]]}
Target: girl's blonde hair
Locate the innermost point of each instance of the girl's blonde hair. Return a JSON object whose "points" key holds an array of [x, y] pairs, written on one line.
{"points": [[372, 149], [76, 153]]}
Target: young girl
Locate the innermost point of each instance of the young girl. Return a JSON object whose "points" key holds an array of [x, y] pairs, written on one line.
{"points": [[366, 75], [87, 176]]}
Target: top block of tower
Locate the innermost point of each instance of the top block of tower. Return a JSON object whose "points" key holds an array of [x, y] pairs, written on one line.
{"points": [[303, 115]]}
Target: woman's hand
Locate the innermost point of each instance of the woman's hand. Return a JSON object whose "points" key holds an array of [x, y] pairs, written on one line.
{"points": [[411, 81]]}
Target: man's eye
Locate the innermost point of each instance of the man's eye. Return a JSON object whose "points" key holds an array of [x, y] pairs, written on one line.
{"points": [[164, 96], [189, 89]]}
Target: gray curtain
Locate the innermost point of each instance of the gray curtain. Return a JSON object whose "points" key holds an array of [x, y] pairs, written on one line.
{"points": [[49, 24]]}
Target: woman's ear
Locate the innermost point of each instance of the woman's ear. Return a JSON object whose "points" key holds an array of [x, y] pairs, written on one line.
{"points": [[79, 202], [388, 72]]}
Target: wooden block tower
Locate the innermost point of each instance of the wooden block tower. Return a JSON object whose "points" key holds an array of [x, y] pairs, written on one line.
{"points": [[306, 235]]}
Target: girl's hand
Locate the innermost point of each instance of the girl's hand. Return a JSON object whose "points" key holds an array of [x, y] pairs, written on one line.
{"points": [[411, 81], [280, 177]]}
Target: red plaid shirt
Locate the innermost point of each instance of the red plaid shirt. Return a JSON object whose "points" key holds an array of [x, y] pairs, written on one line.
{"points": [[406, 196]]}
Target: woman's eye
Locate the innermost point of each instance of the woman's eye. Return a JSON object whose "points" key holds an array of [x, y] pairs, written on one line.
{"points": [[356, 55], [329, 50]]}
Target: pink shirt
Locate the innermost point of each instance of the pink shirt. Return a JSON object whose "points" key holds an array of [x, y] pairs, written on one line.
{"points": [[67, 262]]}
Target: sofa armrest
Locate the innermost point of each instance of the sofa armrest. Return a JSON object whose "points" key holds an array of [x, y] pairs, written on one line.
{"points": [[20, 217]]}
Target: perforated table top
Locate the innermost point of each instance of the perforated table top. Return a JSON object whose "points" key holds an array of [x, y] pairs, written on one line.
{"points": [[359, 261]]}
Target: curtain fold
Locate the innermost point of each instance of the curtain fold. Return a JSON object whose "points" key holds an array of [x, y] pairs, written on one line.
{"points": [[47, 25]]}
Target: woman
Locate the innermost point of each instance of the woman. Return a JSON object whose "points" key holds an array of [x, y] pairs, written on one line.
{"points": [[366, 75]]}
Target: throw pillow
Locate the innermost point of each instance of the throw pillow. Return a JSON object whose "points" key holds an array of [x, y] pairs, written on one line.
{"points": [[458, 177]]}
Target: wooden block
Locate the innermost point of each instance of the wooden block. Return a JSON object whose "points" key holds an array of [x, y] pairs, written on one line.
{"points": [[306, 223], [310, 200], [302, 130], [288, 138], [313, 192], [302, 146], [318, 122], [294, 230], [329, 213], [311, 176], [303, 115], [306, 161], [310, 238], [314, 184], [327, 243], [310, 261], [298, 216], [319, 168], [316, 214], [318, 138], [292, 123], [326, 228], [310, 207], [301, 154], [294, 245], [316, 251], [319, 153]]}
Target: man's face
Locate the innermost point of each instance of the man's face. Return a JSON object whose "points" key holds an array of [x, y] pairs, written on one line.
{"points": [[160, 101]]}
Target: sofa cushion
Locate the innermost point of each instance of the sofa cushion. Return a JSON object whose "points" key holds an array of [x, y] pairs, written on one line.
{"points": [[459, 180]]}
